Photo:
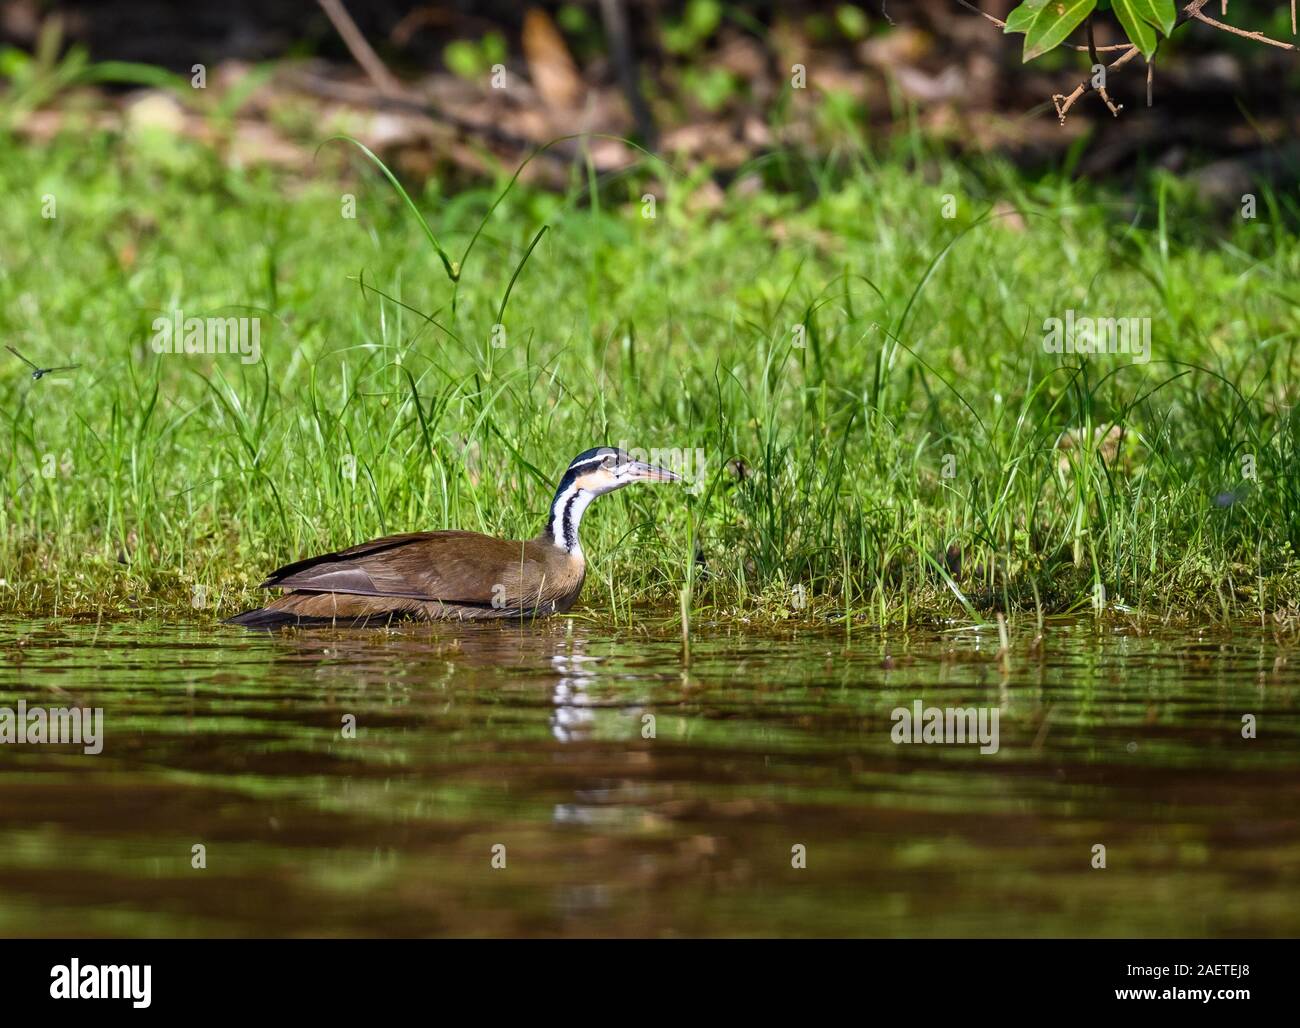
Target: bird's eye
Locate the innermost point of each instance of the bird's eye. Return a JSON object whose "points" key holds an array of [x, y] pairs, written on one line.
{"points": [[608, 462]]}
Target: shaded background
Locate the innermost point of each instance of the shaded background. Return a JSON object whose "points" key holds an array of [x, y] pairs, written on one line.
{"points": [[700, 81]]}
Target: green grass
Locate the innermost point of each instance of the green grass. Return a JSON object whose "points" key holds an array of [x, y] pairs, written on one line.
{"points": [[178, 481]]}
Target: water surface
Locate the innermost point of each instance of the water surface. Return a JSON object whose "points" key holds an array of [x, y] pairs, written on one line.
{"points": [[535, 739]]}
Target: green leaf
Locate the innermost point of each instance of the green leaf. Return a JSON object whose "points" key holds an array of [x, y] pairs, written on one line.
{"points": [[851, 21], [1020, 19], [1163, 14], [134, 74], [14, 64], [703, 17], [463, 58], [1140, 33], [494, 48], [1052, 23]]}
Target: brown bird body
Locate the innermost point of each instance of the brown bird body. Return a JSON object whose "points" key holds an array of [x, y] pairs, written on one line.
{"points": [[451, 575], [432, 576]]}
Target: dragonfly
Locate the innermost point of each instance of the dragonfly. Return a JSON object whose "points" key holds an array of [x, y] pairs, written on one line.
{"points": [[38, 372]]}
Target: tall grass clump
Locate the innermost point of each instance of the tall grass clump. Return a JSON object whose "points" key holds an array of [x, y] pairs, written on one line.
{"points": [[885, 437]]}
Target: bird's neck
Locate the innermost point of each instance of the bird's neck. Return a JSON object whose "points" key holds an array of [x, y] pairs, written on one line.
{"points": [[567, 508]]}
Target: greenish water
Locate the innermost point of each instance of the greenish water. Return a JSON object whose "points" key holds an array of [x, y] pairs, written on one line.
{"points": [[533, 739]]}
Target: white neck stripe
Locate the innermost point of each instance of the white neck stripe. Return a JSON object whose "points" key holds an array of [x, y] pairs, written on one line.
{"points": [[566, 515]]}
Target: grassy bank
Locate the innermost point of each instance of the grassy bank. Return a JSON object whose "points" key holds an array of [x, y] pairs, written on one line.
{"points": [[920, 455]]}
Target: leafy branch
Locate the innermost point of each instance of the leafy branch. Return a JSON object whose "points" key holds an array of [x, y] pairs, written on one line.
{"points": [[1048, 24]]}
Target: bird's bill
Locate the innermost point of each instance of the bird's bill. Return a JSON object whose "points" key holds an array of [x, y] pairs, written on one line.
{"points": [[640, 471]]}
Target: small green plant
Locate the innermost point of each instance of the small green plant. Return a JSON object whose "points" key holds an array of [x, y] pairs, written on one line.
{"points": [[698, 22], [34, 80], [711, 88], [851, 22], [474, 58]]}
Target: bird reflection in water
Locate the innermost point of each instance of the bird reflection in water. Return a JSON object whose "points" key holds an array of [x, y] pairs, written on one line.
{"points": [[572, 720], [601, 800]]}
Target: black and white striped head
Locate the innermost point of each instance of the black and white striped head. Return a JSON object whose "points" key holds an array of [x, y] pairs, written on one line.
{"points": [[604, 469], [592, 473]]}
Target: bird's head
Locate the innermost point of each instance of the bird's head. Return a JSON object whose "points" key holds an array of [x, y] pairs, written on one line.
{"points": [[590, 474], [605, 468]]}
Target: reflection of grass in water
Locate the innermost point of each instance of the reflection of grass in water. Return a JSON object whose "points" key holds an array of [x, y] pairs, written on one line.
{"points": [[923, 342]]}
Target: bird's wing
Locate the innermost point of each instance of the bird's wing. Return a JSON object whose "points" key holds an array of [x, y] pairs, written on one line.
{"points": [[21, 358], [452, 567]]}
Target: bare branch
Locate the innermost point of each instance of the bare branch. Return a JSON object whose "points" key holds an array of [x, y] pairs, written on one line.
{"points": [[1063, 102], [1258, 37], [360, 49]]}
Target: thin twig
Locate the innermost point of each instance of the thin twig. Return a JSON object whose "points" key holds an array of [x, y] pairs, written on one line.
{"points": [[1064, 102], [361, 50], [1258, 37], [1101, 89], [362, 95], [629, 78]]}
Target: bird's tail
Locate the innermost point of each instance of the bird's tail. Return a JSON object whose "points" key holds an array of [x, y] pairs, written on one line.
{"points": [[265, 617], [268, 618]]}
